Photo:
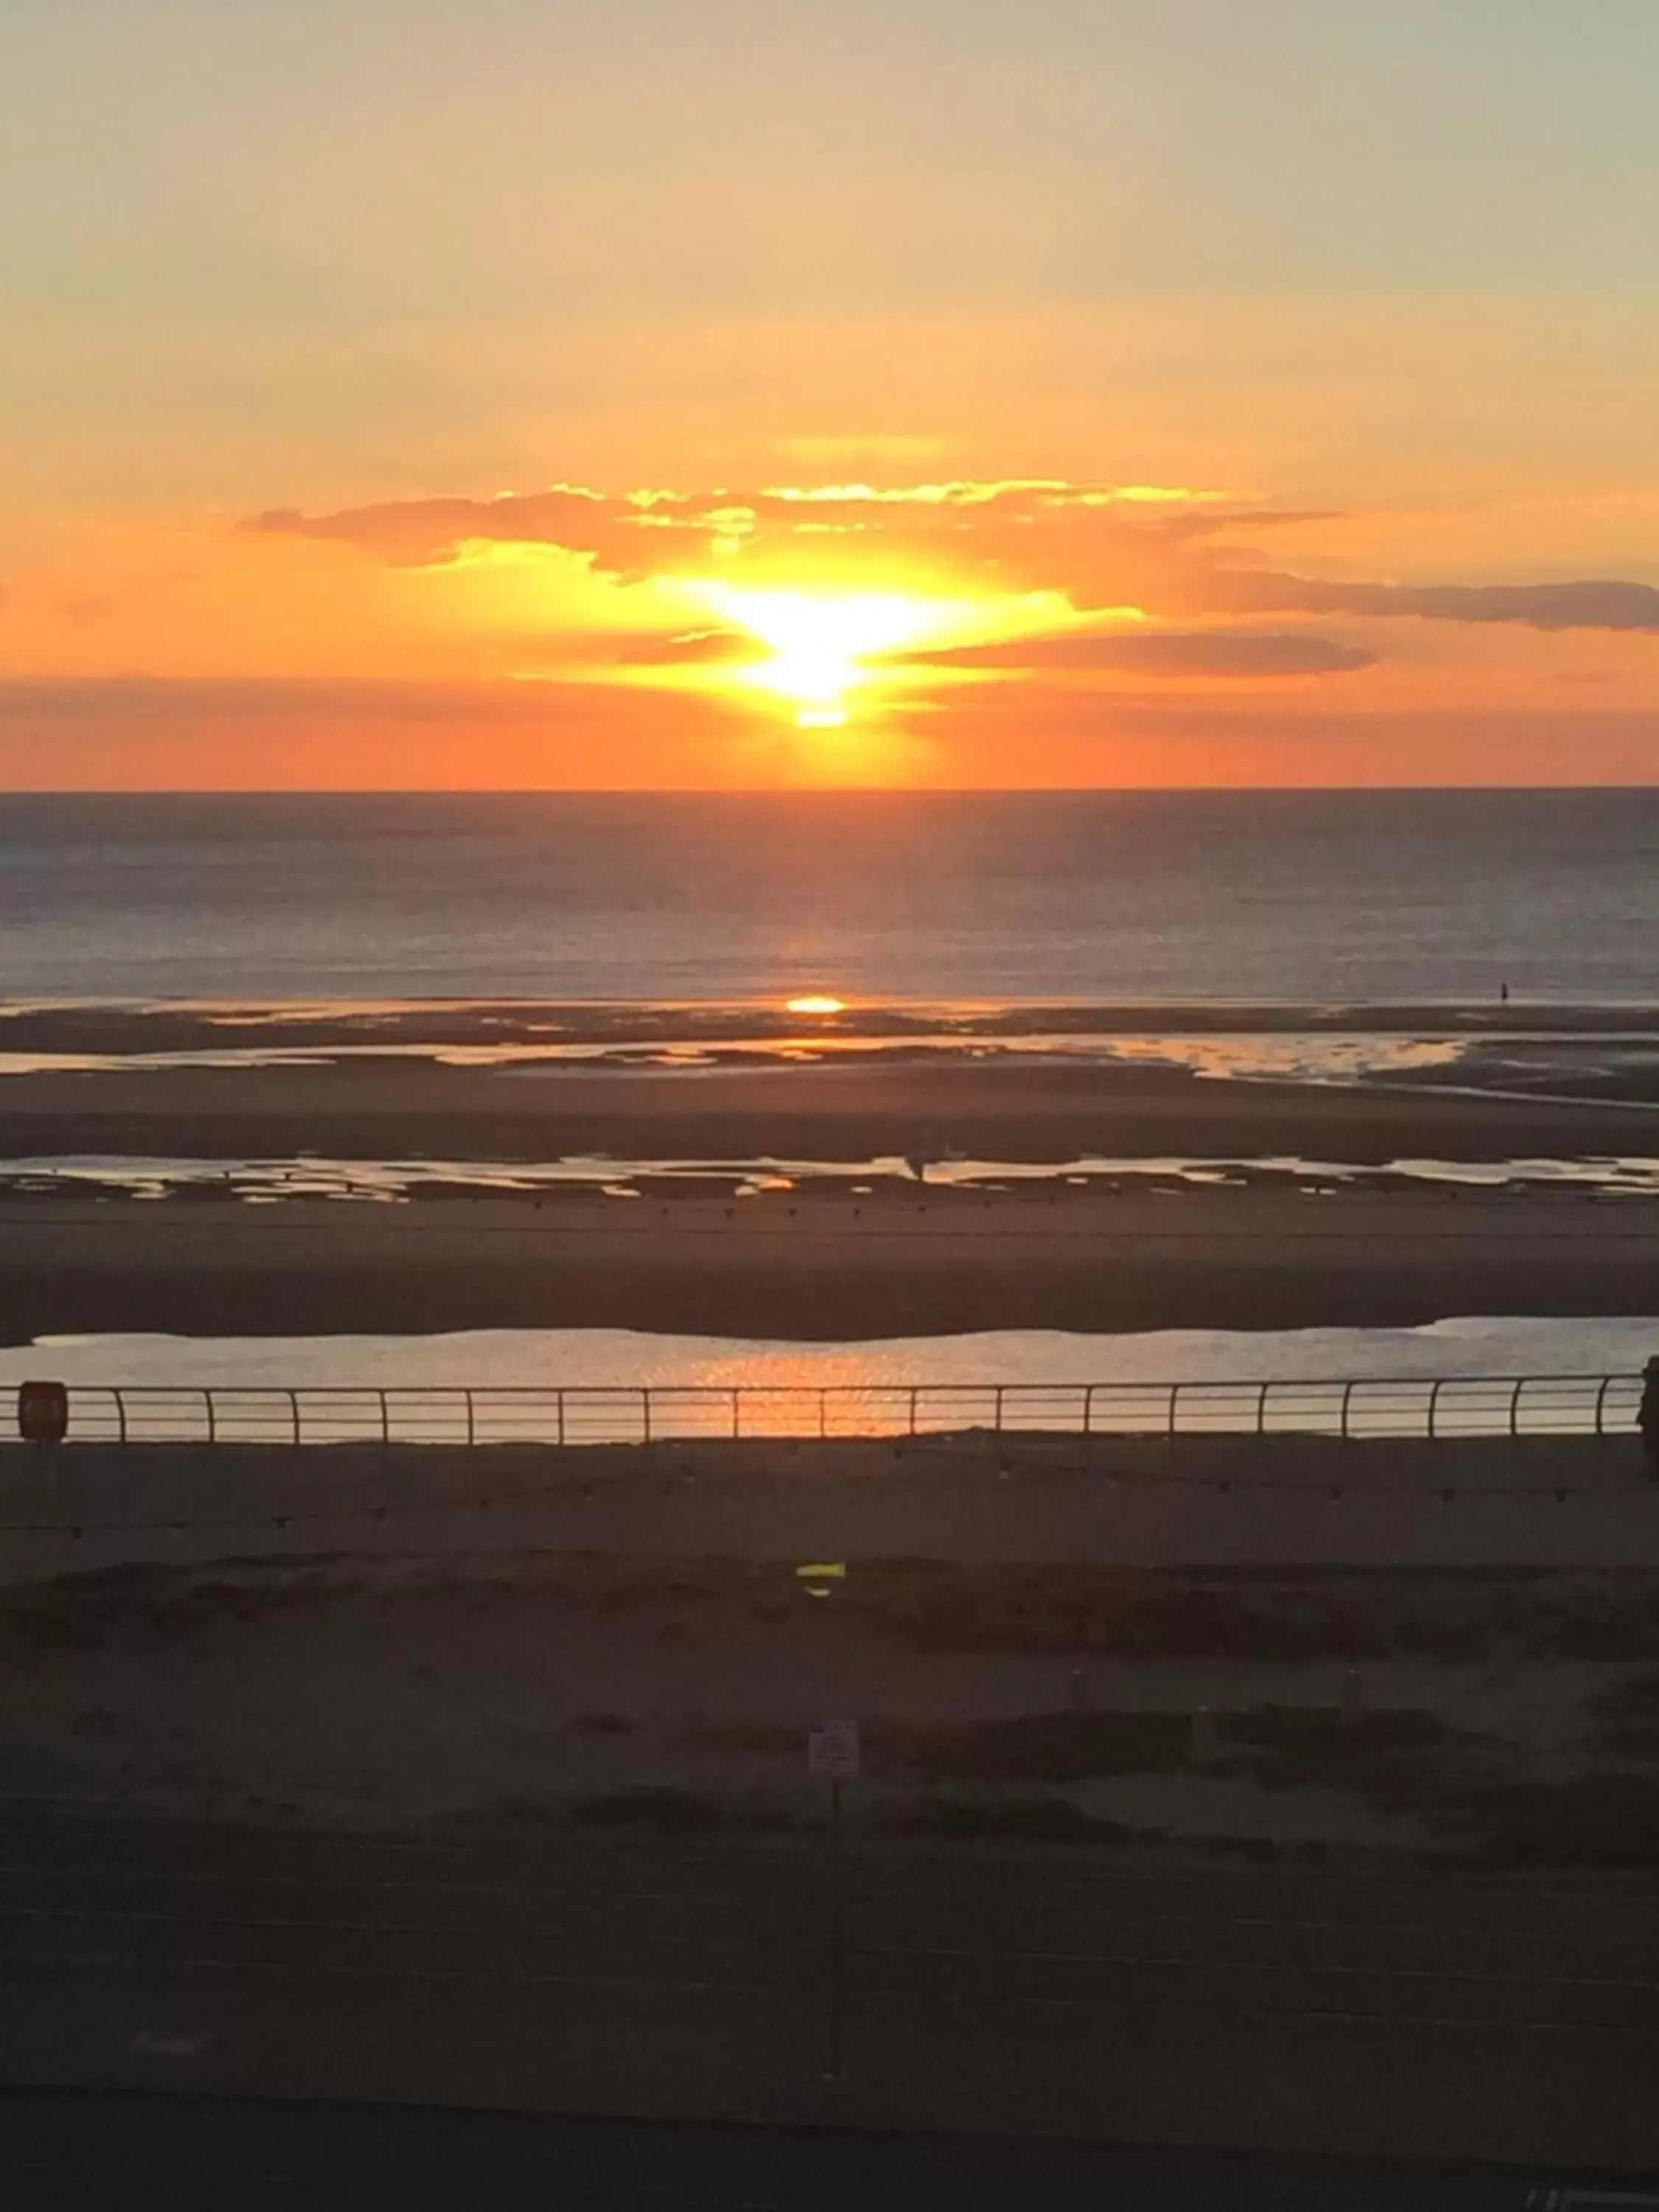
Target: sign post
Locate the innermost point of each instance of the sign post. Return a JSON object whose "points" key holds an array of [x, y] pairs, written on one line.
{"points": [[832, 1755]]}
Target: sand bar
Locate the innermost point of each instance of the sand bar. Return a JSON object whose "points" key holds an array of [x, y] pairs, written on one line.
{"points": [[380, 1108], [834, 1268]]}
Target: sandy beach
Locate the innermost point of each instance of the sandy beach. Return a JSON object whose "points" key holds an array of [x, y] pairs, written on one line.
{"points": [[482, 1759], [464, 1774]]}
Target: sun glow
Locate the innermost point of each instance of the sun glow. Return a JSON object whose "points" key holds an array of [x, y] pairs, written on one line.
{"points": [[822, 643], [815, 1002]]}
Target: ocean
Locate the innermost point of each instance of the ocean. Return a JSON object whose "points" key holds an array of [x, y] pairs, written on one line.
{"points": [[1350, 896]]}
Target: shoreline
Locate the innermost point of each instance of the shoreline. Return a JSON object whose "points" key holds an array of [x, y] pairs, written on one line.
{"points": [[1565, 1053], [581, 1179], [459, 1018]]}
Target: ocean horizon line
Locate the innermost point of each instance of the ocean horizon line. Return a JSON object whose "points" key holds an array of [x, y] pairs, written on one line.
{"points": [[822, 791]]}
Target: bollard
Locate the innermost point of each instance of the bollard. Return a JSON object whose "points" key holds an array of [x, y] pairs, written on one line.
{"points": [[42, 1412]]}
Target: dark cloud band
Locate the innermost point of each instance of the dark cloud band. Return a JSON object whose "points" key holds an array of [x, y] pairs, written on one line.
{"points": [[1167, 653], [1172, 555]]}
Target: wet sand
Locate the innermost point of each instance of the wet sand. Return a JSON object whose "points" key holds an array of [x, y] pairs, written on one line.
{"points": [[380, 1108], [834, 1267], [130, 1025], [903, 1261]]}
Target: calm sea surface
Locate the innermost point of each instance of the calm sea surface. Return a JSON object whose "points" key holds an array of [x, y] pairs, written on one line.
{"points": [[1352, 896]]}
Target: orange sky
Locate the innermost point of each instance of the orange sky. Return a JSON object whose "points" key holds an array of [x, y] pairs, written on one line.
{"points": [[488, 396]]}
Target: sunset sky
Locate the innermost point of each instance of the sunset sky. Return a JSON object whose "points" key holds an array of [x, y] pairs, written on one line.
{"points": [[404, 393]]}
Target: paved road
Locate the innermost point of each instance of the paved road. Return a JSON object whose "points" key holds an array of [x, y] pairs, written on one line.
{"points": [[74, 2153], [1033, 1993]]}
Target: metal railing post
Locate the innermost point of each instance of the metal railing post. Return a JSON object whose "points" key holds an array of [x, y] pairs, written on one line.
{"points": [[1515, 1389], [120, 1418], [1262, 1409], [472, 1426], [912, 1408], [737, 1411], [1601, 1405], [1434, 1403], [560, 1395], [1347, 1399], [385, 1420], [294, 1415], [1175, 1393], [1088, 1409], [212, 1426], [645, 1413], [999, 1416]]}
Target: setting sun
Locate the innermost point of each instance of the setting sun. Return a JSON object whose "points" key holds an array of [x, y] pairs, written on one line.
{"points": [[821, 644], [816, 1002]]}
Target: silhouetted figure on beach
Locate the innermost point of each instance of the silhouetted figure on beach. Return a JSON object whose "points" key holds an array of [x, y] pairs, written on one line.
{"points": [[933, 1150], [1647, 1414]]}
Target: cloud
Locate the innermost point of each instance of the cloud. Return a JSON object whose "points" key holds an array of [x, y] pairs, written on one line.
{"points": [[1596, 604], [323, 734], [1180, 555], [1205, 525], [129, 698], [1167, 653], [700, 648], [422, 532], [595, 650], [651, 531]]}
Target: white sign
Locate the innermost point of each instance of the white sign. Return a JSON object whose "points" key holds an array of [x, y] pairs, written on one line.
{"points": [[832, 1750]]}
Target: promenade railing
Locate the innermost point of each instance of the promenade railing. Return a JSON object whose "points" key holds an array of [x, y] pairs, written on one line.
{"points": [[1427, 1407]]}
